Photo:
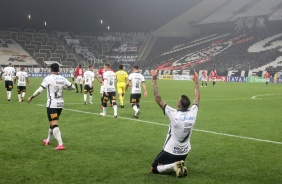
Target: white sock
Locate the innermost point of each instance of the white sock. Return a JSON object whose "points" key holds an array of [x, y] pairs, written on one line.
{"points": [[135, 109], [23, 94], [85, 96], [104, 110], [57, 135], [90, 98], [19, 96], [50, 133], [165, 168], [9, 94], [115, 110]]}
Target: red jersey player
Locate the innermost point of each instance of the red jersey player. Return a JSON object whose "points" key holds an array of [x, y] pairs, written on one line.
{"points": [[78, 75], [213, 76], [267, 77]]}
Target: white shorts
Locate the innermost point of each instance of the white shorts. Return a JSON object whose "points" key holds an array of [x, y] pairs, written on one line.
{"points": [[266, 79], [204, 79], [79, 80], [102, 89]]}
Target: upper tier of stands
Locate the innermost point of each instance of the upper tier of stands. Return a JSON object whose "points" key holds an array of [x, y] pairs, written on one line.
{"points": [[242, 8], [70, 49], [226, 12], [260, 50]]}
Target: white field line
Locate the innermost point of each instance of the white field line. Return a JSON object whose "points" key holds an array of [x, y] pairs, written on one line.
{"points": [[255, 97], [154, 123]]}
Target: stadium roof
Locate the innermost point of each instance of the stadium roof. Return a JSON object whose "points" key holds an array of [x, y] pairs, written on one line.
{"points": [[85, 15]]}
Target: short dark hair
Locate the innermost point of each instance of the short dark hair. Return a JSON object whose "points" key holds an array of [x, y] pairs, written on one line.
{"points": [[55, 67], [107, 65], [136, 67], [184, 101], [79, 66], [120, 67]]}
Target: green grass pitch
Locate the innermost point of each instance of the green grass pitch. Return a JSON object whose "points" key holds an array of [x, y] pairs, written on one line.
{"points": [[237, 137]]}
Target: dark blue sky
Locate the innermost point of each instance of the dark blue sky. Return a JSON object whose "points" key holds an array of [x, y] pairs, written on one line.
{"points": [[85, 15]]}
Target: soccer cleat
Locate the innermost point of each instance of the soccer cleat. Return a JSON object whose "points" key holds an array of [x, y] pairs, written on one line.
{"points": [[85, 103], [177, 169], [180, 169], [9, 100], [46, 142], [121, 106], [60, 147], [184, 169], [102, 114], [90, 103], [115, 115], [137, 115], [20, 101]]}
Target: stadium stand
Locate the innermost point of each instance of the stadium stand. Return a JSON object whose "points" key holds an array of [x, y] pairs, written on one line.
{"points": [[42, 46], [263, 7], [259, 50], [226, 12]]}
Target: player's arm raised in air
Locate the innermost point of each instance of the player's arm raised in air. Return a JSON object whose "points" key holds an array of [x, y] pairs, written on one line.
{"points": [[197, 91], [156, 90]]}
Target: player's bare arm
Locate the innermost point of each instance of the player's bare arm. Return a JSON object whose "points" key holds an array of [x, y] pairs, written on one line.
{"points": [[36, 93], [197, 91], [28, 81], [15, 80], [145, 89], [158, 98], [127, 84], [97, 77]]}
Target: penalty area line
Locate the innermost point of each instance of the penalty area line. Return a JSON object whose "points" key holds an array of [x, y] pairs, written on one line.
{"points": [[198, 130]]}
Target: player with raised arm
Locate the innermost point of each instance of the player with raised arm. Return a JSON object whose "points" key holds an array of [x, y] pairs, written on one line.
{"points": [[9, 73], [182, 120], [121, 84], [109, 90], [22, 78], [88, 78], [136, 79], [55, 84]]}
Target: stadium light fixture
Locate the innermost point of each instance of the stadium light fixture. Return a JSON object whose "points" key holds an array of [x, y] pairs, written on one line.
{"points": [[108, 28], [29, 17], [45, 23], [101, 21]]}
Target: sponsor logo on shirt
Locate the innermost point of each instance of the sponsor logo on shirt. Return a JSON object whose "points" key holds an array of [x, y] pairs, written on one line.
{"points": [[184, 117], [180, 150]]}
